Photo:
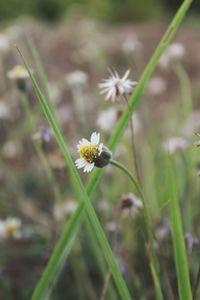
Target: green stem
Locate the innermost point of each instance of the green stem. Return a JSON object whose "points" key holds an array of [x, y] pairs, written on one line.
{"points": [[147, 218]]}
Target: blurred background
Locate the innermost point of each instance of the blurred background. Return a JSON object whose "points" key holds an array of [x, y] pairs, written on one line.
{"points": [[69, 45]]}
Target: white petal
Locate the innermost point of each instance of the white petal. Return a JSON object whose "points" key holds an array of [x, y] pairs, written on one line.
{"points": [[80, 163], [95, 138], [126, 75], [88, 168], [100, 148]]}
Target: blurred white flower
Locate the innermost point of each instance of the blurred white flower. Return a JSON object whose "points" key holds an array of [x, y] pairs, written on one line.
{"points": [[131, 45], [156, 86], [107, 119], [162, 230], [4, 111], [18, 73], [12, 149], [130, 205], [174, 144], [89, 152], [115, 86], [191, 241], [10, 228], [64, 209], [191, 125], [77, 77], [44, 135], [112, 226], [4, 43], [174, 52]]}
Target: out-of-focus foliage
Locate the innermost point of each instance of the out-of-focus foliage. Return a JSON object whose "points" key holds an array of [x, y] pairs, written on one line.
{"points": [[111, 10]]}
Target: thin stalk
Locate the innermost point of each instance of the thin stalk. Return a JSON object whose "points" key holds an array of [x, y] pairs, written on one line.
{"points": [[38, 148], [133, 139], [147, 218]]}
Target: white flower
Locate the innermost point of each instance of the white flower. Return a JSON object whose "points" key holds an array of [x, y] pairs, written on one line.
{"points": [[107, 119], [64, 209], [157, 85], [174, 52], [131, 45], [131, 205], [89, 151], [115, 86], [17, 73], [174, 144], [10, 228], [77, 78]]}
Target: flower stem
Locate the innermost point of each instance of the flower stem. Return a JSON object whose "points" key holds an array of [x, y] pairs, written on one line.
{"points": [[133, 139], [147, 218]]}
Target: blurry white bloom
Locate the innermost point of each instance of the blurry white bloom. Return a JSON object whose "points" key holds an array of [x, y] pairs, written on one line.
{"points": [[45, 135], [131, 45], [174, 52], [115, 86], [64, 209], [174, 144], [12, 149], [4, 43], [103, 206], [10, 228], [77, 78], [162, 230], [17, 73], [131, 205], [89, 151], [4, 111], [112, 226], [192, 124], [107, 119], [191, 241], [157, 85], [55, 92]]}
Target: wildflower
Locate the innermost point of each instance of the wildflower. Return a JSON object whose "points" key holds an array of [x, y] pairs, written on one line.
{"points": [[19, 74], [131, 204], [64, 209], [174, 144], [191, 241], [77, 78], [174, 52], [10, 228], [107, 119], [131, 45], [115, 86], [157, 85], [92, 153], [45, 135]]}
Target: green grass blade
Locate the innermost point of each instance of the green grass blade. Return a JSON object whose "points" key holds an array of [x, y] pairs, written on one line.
{"points": [[81, 192], [70, 231], [180, 255]]}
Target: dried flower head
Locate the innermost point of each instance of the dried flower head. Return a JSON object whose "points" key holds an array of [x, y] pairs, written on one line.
{"points": [[92, 153], [115, 86], [131, 204]]}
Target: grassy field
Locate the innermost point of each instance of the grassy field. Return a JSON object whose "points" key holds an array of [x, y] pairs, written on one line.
{"points": [[129, 228]]}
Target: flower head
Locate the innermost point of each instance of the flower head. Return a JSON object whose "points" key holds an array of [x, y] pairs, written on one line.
{"points": [[92, 153], [175, 52], [18, 72], [10, 228], [115, 86]]}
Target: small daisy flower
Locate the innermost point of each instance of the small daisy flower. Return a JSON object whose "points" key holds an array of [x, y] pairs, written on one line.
{"points": [[20, 75], [10, 228], [18, 72], [92, 153], [115, 86]]}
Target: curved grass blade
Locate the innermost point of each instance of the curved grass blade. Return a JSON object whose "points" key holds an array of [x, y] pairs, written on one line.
{"points": [[180, 255]]}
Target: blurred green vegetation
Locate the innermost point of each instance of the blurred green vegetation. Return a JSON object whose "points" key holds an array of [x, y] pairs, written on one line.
{"points": [[111, 10]]}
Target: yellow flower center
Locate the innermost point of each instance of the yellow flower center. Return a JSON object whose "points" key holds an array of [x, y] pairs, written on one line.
{"points": [[89, 152], [10, 229], [18, 70]]}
